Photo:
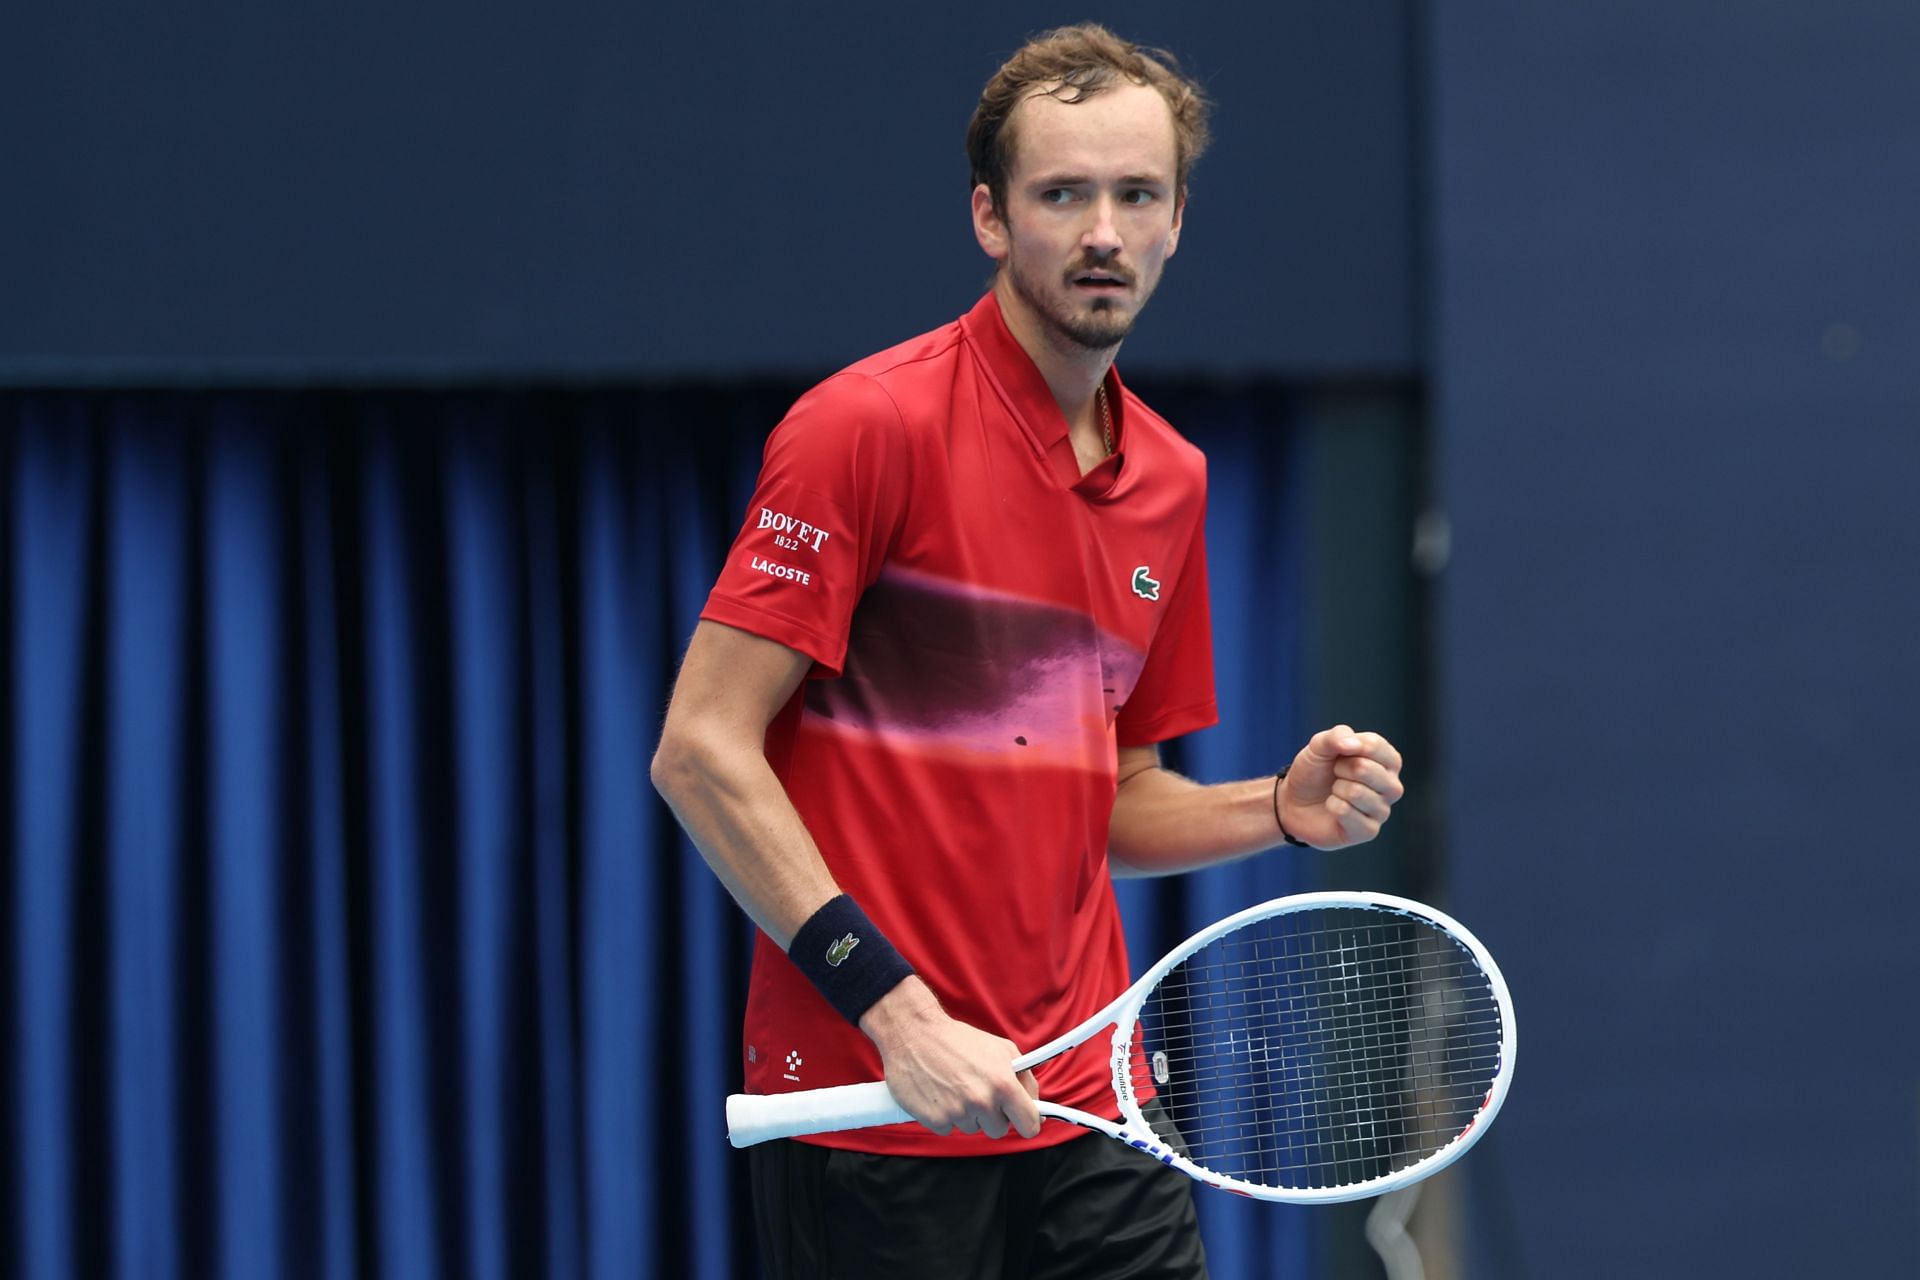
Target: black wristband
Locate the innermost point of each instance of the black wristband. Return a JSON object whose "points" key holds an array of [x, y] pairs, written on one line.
{"points": [[1285, 834], [847, 958]]}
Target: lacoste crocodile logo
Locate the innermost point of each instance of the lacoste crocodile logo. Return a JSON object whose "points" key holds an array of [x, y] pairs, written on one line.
{"points": [[840, 950], [1143, 586]]}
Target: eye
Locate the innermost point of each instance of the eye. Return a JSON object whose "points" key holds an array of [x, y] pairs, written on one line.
{"points": [[1138, 196], [1056, 195]]}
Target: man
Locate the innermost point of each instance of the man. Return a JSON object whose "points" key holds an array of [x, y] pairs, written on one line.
{"points": [[915, 731]]}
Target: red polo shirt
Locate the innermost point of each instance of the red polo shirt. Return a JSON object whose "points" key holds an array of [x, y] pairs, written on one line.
{"points": [[988, 625]]}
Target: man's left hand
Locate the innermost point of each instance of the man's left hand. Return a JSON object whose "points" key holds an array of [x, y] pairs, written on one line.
{"points": [[1340, 789]]}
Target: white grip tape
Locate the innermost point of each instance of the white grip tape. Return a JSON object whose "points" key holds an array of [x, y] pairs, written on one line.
{"points": [[761, 1117]]}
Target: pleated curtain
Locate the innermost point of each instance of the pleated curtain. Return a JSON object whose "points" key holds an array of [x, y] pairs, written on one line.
{"points": [[341, 931]]}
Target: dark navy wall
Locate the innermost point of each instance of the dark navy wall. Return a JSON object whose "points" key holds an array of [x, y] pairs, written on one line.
{"points": [[1678, 393], [639, 190]]}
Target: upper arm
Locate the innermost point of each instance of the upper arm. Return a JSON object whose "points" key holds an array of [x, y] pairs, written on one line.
{"points": [[824, 515], [1136, 760], [732, 684]]}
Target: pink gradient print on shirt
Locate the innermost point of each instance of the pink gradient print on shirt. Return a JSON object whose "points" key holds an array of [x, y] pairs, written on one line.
{"points": [[945, 668]]}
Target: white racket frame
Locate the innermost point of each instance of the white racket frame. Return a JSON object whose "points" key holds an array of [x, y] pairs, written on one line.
{"points": [[755, 1118]]}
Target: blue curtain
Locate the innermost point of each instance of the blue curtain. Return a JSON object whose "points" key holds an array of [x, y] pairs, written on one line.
{"points": [[343, 933]]}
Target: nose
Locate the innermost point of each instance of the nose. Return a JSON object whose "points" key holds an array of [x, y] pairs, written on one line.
{"points": [[1102, 237]]}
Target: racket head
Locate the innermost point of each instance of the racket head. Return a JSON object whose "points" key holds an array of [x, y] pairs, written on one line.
{"points": [[1317, 1048]]}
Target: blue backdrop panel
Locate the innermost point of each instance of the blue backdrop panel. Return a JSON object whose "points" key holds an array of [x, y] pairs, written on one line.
{"points": [[1676, 378], [484, 189], [344, 933]]}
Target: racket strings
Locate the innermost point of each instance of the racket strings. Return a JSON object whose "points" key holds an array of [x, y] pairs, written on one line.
{"points": [[1320, 1048]]}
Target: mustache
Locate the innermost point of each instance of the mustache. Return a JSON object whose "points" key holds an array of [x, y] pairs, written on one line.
{"points": [[1093, 266]]}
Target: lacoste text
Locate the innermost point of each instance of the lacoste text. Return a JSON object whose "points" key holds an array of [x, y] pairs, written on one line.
{"points": [[788, 572]]}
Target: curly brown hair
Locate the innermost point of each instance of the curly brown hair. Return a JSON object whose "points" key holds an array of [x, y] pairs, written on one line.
{"points": [[1071, 64]]}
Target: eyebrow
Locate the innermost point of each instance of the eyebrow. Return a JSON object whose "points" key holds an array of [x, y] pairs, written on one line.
{"points": [[1083, 180]]}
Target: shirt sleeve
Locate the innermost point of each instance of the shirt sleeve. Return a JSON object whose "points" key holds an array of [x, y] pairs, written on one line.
{"points": [[824, 513], [1174, 694]]}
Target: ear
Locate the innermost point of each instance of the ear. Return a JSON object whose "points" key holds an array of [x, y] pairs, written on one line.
{"points": [[1179, 213], [989, 228]]}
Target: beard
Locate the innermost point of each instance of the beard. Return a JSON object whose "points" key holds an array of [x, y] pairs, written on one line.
{"points": [[1100, 324]]}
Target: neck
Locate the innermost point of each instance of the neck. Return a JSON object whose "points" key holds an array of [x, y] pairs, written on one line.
{"points": [[1072, 372]]}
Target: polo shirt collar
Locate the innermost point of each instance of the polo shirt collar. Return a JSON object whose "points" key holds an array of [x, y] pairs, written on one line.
{"points": [[1027, 394]]}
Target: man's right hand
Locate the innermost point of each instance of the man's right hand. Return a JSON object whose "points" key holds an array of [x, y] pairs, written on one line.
{"points": [[951, 1076]]}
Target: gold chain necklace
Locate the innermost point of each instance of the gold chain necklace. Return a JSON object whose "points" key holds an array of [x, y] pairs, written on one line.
{"points": [[1106, 418]]}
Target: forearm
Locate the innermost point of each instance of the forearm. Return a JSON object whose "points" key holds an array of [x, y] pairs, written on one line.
{"points": [[1163, 823], [737, 814], [945, 1073]]}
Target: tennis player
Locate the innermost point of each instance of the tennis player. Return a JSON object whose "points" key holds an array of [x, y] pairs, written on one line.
{"points": [[915, 730]]}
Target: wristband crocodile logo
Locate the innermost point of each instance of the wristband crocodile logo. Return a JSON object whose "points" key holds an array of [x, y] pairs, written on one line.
{"points": [[1143, 586], [839, 951]]}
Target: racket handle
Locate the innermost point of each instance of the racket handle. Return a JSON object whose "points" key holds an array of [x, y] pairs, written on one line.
{"points": [[760, 1117]]}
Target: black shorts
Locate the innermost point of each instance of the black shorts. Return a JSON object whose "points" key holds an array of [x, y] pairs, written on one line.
{"points": [[1090, 1207]]}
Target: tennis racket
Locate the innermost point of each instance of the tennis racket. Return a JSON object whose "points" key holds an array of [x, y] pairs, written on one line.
{"points": [[1312, 1049]]}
